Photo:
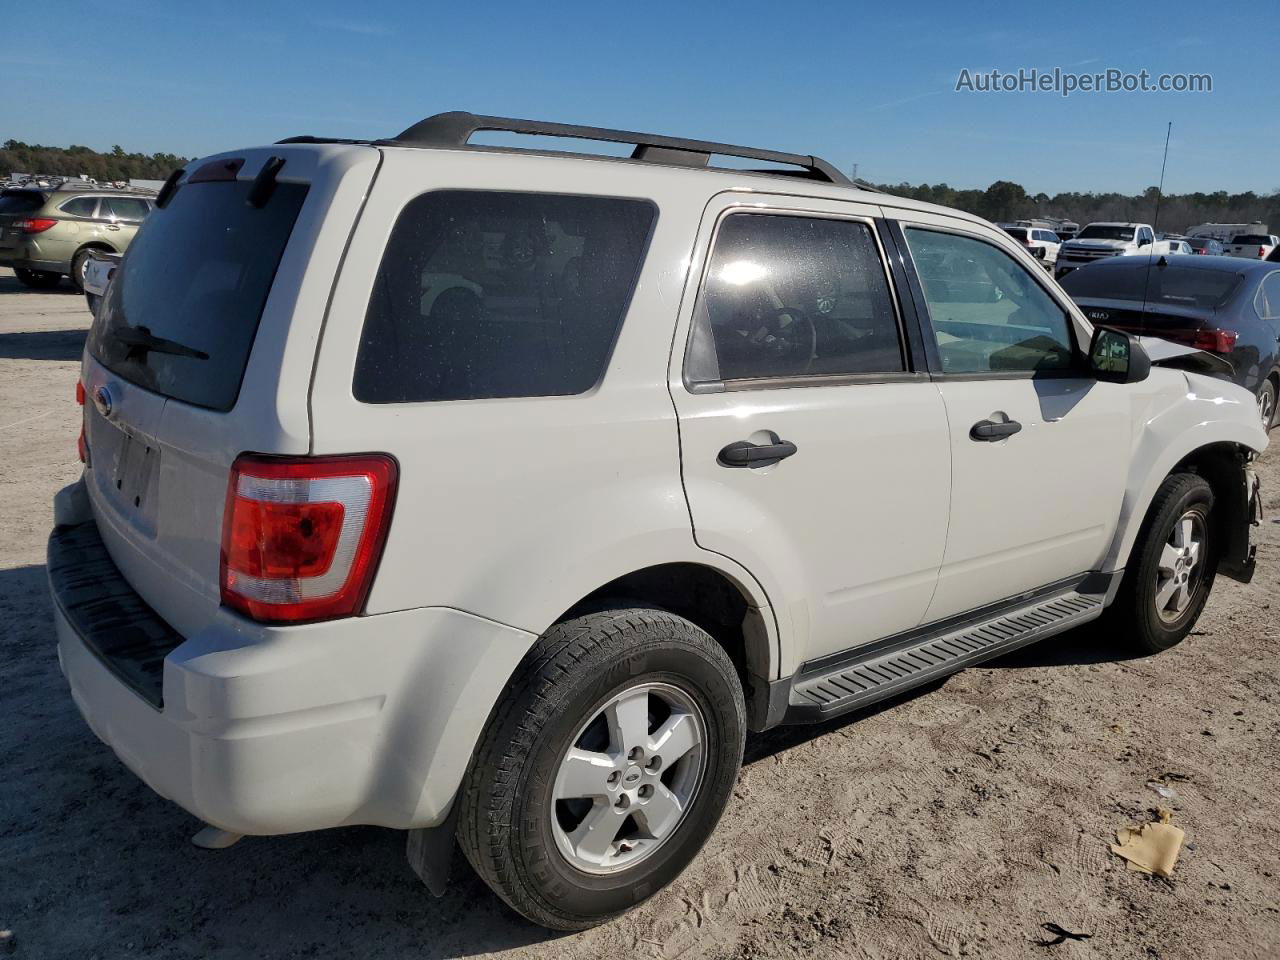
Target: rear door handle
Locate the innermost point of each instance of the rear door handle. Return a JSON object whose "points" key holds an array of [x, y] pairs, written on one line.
{"points": [[744, 453], [988, 431]]}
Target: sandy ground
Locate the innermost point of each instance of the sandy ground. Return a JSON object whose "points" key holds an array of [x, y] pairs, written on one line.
{"points": [[951, 823]]}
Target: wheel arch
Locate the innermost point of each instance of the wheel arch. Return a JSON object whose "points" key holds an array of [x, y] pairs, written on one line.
{"points": [[729, 606], [1224, 464]]}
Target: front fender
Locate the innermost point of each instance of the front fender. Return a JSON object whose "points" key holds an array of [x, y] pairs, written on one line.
{"points": [[1183, 415]]}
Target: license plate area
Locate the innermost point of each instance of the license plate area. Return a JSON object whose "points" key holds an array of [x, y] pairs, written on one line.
{"points": [[127, 463]]}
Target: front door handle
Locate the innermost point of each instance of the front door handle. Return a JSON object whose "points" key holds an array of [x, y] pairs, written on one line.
{"points": [[744, 453], [988, 431]]}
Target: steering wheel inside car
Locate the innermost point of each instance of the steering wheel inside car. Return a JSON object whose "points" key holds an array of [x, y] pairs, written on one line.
{"points": [[790, 335]]}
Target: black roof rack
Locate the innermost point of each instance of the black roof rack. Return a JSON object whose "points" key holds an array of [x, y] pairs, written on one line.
{"points": [[456, 129]]}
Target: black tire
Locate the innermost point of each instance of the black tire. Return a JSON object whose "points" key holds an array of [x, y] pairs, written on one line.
{"points": [[1135, 610], [505, 825], [37, 279], [78, 264], [1267, 403]]}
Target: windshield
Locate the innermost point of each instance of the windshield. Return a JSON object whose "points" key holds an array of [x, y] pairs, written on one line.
{"points": [[1181, 286], [1097, 231], [182, 311], [1017, 233]]}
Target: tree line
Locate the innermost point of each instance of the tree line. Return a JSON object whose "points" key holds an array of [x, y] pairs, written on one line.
{"points": [[1004, 201], [77, 161]]}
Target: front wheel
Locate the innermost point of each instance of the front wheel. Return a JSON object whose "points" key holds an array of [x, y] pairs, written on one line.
{"points": [[605, 766], [1172, 567]]}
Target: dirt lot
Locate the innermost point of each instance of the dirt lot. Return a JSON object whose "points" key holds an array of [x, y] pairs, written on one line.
{"points": [[952, 823]]}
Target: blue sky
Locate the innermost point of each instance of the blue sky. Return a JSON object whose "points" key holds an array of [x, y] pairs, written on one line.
{"points": [[865, 83]]}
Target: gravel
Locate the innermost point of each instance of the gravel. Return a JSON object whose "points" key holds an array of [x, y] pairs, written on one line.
{"points": [[952, 822]]}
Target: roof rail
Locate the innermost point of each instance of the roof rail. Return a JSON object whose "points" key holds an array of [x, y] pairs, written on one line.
{"points": [[456, 129]]}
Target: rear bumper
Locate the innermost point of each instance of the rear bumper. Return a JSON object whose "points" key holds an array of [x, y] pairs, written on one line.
{"points": [[268, 730]]}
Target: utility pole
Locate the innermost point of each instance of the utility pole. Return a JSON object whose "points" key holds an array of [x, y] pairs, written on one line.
{"points": [[855, 171]]}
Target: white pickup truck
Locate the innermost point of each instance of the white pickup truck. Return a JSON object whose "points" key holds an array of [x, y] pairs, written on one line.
{"points": [[1099, 240], [1251, 246]]}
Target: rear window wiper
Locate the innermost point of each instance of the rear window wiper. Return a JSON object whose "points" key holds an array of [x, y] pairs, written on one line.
{"points": [[140, 340]]}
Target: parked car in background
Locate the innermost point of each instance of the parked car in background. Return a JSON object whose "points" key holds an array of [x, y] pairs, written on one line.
{"points": [[567, 471], [1222, 305], [46, 235], [1179, 246], [1252, 246], [1098, 241], [1205, 246], [1223, 232], [1041, 243]]}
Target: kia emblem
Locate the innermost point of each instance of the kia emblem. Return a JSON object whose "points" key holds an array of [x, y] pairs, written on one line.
{"points": [[1098, 315], [102, 400]]}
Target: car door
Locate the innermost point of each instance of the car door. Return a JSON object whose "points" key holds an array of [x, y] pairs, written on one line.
{"points": [[1039, 449], [813, 452]]}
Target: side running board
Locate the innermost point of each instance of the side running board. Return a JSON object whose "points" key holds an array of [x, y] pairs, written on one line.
{"points": [[823, 691]]}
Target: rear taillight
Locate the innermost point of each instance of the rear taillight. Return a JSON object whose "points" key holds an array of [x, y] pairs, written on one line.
{"points": [[1217, 341], [1262, 253], [82, 445], [34, 224], [301, 536]]}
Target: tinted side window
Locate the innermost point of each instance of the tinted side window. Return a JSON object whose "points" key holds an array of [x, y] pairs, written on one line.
{"points": [[485, 294], [127, 208], [80, 206], [1267, 300], [987, 312], [790, 296]]}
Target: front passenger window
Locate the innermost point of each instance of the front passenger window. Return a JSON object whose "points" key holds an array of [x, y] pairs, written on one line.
{"points": [[791, 297], [989, 315]]}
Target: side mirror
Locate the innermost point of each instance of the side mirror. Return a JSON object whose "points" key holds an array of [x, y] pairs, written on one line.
{"points": [[1144, 242], [1117, 357]]}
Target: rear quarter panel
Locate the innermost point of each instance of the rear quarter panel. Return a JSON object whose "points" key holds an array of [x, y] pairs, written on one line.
{"points": [[514, 509]]}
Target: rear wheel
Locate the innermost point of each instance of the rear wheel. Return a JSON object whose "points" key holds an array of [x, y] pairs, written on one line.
{"points": [[79, 263], [1172, 568], [1267, 403], [37, 279], [605, 766]]}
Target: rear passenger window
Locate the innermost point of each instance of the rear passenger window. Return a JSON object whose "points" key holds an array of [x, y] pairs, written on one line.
{"points": [[486, 294], [791, 296], [127, 208], [80, 206], [989, 315]]}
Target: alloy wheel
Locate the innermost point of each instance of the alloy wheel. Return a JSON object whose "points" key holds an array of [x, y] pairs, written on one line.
{"points": [[1181, 565], [628, 778]]}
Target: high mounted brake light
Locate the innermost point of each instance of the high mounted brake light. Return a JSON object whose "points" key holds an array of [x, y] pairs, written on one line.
{"points": [[301, 536]]}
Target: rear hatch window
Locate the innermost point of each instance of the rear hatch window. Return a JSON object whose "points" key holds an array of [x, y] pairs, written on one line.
{"points": [[1183, 286], [489, 294], [18, 202], [1251, 238], [183, 308]]}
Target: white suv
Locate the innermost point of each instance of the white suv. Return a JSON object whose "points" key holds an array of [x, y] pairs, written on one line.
{"points": [[496, 494]]}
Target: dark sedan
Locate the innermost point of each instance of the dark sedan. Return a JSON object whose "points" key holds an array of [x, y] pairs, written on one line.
{"points": [[1224, 305]]}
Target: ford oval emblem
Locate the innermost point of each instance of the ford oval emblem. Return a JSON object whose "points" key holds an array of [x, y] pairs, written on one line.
{"points": [[102, 400], [1098, 315]]}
